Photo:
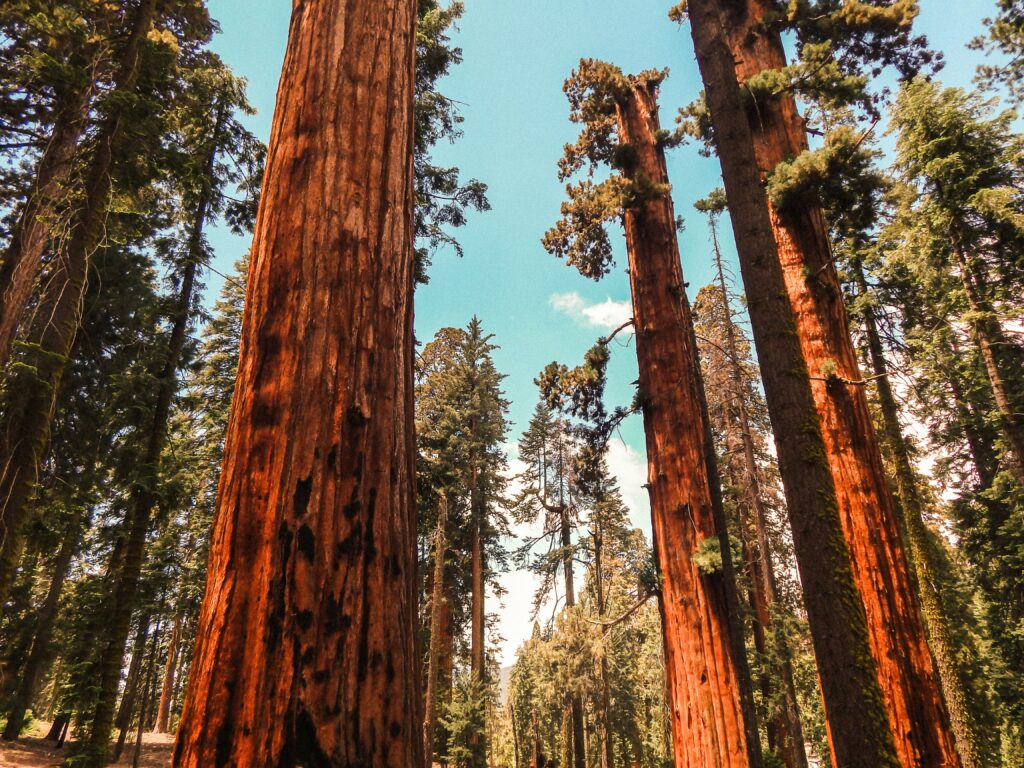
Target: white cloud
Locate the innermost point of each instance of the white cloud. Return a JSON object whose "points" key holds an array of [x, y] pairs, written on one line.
{"points": [[608, 314]]}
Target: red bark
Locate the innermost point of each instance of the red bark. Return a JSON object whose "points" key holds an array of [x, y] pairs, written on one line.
{"points": [[859, 734], [306, 651], [705, 672], [917, 713]]}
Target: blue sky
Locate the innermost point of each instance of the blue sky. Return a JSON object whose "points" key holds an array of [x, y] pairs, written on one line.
{"points": [[516, 58]]}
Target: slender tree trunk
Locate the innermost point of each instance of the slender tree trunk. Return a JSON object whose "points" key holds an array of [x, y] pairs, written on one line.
{"points": [[37, 222], [607, 748], [306, 651], [123, 721], [785, 732], [708, 682], [43, 635], [32, 394], [144, 493], [147, 697], [992, 343], [976, 734], [477, 650], [58, 728], [54, 696], [917, 714], [163, 712], [579, 753], [855, 710], [437, 609]]}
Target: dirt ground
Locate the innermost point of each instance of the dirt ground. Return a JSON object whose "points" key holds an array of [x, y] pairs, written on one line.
{"points": [[32, 751]]}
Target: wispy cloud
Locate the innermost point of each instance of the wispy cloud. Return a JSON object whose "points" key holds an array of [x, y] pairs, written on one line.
{"points": [[608, 314]]}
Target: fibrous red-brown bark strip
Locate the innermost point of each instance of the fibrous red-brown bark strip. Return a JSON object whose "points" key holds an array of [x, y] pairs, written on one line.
{"points": [[703, 670], [306, 650]]}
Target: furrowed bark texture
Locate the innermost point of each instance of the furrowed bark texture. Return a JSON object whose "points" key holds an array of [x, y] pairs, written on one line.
{"points": [[37, 223], [25, 423], [705, 674], [859, 735], [306, 651], [917, 713]]}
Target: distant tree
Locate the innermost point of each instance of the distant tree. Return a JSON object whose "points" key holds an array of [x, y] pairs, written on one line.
{"points": [[703, 638]]}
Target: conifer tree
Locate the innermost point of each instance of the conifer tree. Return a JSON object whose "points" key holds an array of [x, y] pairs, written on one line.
{"points": [[705, 663], [306, 650], [461, 420], [548, 495], [772, 151]]}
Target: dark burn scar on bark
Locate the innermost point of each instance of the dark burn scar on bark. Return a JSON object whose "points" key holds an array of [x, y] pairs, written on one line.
{"points": [[305, 542], [351, 509], [344, 549], [263, 416], [304, 619], [300, 501], [356, 417], [332, 456]]}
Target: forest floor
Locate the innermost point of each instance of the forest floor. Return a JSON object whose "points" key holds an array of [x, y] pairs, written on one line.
{"points": [[32, 751]]}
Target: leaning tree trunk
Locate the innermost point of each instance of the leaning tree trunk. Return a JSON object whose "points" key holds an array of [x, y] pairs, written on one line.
{"points": [[976, 734], [917, 714], [32, 392], [859, 732], [708, 682], [438, 608], [145, 491], [37, 222], [306, 652]]}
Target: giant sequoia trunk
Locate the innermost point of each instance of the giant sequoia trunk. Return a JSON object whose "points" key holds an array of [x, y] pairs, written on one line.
{"points": [[708, 683], [145, 489], [917, 714], [32, 393], [858, 724], [976, 733], [306, 652], [37, 222]]}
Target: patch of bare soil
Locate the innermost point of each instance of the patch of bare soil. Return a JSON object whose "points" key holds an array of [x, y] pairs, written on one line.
{"points": [[32, 751]]}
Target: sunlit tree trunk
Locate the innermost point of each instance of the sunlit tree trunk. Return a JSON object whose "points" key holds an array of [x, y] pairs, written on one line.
{"points": [[917, 714], [163, 711], [306, 651], [708, 683], [859, 731]]}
